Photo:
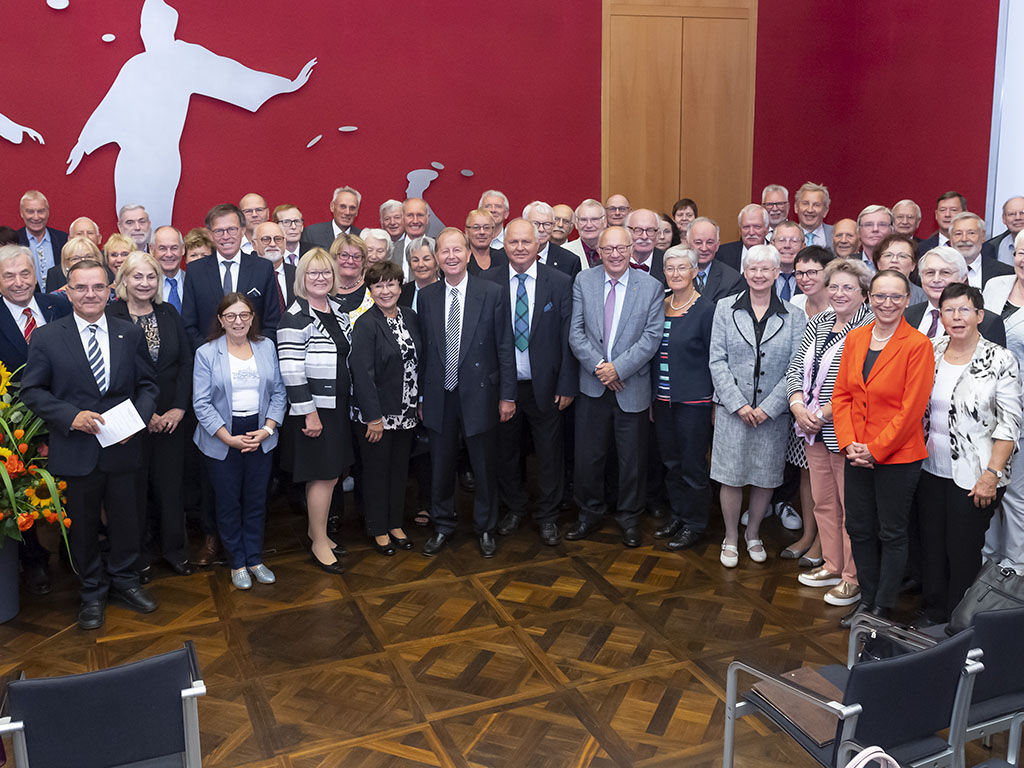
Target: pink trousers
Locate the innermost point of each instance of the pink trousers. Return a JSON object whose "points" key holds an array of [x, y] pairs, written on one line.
{"points": [[826, 470]]}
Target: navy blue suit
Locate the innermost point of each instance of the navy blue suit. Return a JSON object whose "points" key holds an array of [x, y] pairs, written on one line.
{"points": [[486, 374], [13, 347], [204, 290]]}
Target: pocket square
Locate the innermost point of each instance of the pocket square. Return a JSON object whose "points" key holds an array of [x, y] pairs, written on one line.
{"points": [[548, 307], [253, 292]]}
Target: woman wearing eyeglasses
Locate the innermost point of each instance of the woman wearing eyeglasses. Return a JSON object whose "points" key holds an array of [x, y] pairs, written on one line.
{"points": [[899, 252], [239, 400], [881, 392], [350, 254], [972, 427], [313, 346]]}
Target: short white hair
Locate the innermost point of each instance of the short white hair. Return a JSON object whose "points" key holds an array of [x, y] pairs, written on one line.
{"points": [[704, 220], [908, 201], [389, 205], [752, 208], [681, 252], [968, 215], [774, 188], [378, 234], [493, 193], [875, 209], [948, 254], [761, 253], [1018, 241], [351, 191], [33, 194], [9, 252], [540, 207], [589, 202], [129, 207]]}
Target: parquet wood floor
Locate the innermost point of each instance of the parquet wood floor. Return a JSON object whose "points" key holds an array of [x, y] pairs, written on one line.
{"points": [[585, 654]]}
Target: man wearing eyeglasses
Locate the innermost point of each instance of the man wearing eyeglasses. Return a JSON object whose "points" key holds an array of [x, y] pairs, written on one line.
{"points": [[617, 209], [775, 200], [269, 240], [643, 226], [256, 212], [78, 367], [618, 316], [788, 240], [542, 216], [290, 219], [590, 222], [212, 277], [563, 224]]}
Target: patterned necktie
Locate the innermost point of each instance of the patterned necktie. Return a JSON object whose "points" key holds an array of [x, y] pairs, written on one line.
{"points": [[172, 293], [934, 327], [593, 257], [227, 276], [701, 280], [522, 315], [280, 293], [30, 323], [41, 256], [451, 342], [99, 370], [609, 318], [808, 238]]}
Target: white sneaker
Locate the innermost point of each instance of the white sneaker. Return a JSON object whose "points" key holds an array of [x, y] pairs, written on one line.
{"points": [[730, 556], [844, 594], [745, 517], [822, 577], [790, 518]]}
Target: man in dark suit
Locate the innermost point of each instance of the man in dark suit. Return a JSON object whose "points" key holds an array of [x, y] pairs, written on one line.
{"points": [[947, 206], [1000, 247], [212, 277], [967, 235], [290, 218], [44, 242], [906, 218], [133, 222], [753, 223], [256, 211], [540, 300], [78, 367], [23, 312], [788, 239], [714, 280], [344, 209], [416, 217], [468, 385], [168, 248], [542, 216], [269, 241], [643, 226], [937, 270]]}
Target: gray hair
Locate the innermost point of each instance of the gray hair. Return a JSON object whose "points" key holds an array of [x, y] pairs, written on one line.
{"points": [[858, 269], [378, 234], [33, 194], [9, 252], [493, 193], [761, 253], [908, 201], [968, 215], [1018, 241], [704, 220], [631, 214], [540, 207], [389, 205], [948, 254], [129, 207], [181, 240], [351, 191], [875, 209], [591, 202], [774, 188], [423, 241], [751, 208], [681, 252], [810, 186]]}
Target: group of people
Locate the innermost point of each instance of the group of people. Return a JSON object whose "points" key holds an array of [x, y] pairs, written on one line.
{"points": [[646, 365]]}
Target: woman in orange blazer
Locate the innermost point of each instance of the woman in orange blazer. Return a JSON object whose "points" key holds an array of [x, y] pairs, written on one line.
{"points": [[881, 392]]}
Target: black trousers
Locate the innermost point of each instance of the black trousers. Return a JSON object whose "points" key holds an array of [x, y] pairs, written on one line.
{"points": [[117, 494], [684, 437], [162, 479], [878, 503], [197, 488], [385, 474], [444, 457], [952, 534], [545, 425], [601, 424], [31, 553]]}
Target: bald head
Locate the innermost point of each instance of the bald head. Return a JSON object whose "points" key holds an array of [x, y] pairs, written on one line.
{"points": [[268, 240], [83, 226], [256, 212], [643, 226]]}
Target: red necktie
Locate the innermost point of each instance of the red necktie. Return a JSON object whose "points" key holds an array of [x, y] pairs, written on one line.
{"points": [[593, 257], [280, 296], [30, 325], [644, 267]]}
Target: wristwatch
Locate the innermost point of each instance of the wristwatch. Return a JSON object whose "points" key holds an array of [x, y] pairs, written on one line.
{"points": [[269, 430], [996, 472]]}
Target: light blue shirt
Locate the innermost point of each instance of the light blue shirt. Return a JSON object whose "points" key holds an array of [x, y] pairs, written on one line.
{"points": [[45, 258], [523, 372], [620, 297]]}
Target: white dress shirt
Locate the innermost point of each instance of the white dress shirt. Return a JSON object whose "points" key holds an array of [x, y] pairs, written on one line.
{"points": [[236, 263], [499, 239], [461, 288], [102, 338], [620, 297], [18, 313], [282, 283], [523, 372], [1004, 252], [974, 272], [926, 322], [542, 257]]}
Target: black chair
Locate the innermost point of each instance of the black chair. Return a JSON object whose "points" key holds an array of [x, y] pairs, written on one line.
{"points": [[138, 715], [899, 703]]}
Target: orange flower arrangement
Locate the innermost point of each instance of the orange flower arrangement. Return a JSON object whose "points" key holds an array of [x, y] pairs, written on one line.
{"points": [[28, 492]]}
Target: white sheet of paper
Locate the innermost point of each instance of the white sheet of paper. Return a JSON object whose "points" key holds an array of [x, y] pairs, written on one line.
{"points": [[121, 421]]}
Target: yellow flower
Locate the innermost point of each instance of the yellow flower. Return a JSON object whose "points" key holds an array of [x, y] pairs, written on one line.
{"points": [[38, 496], [5, 378], [4, 453]]}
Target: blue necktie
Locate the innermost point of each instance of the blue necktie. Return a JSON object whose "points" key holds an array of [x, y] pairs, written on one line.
{"points": [[99, 370], [172, 293], [786, 293]]}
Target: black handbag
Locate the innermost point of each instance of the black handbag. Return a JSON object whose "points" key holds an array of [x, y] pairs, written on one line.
{"points": [[996, 589]]}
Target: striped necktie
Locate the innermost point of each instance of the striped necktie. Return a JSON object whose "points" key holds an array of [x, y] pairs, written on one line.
{"points": [[99, 370], [451, 342], [30, 324], [522, 326]]}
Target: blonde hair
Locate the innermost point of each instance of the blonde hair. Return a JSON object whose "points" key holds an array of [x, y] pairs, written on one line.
{"points": [[75, 245], [132, 262], [317, 257]]}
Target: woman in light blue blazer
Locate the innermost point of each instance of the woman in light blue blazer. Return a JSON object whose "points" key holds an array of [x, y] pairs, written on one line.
{"points": [[239, 399]]}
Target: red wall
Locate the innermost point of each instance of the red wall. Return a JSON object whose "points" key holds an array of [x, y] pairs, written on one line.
{"points": [[878, 100], [510, 91]]}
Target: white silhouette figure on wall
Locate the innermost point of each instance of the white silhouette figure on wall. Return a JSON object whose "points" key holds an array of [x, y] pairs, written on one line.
{"points": [[157, 86], [11, 131]]}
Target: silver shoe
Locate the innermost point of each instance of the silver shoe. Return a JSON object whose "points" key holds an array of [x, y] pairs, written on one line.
{"points": [[263, 574], [241, 579]]}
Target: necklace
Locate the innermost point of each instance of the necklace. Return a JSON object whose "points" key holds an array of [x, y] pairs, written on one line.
{"points": [[882, 341], [350, 287], [688, 302]]}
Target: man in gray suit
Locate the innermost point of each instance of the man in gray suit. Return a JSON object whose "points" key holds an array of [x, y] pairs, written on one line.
{"points": [[812, 203], [618, 317], [344, 209]]}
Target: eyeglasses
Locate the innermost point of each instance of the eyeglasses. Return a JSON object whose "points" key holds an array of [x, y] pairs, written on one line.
{"points": [[958, 311], [320, 274], [251, 211], [843, 288], [617, 208], [896, 256], [289, 222], [590, 220], [543, 224], [231, 317], [885, 298], [84, 289], [267, 239], [677, 270], [349, 257], [783, 204], [222, 231], [480, 227], [945, 274], [644, 230], [807, 273], [608, 250], [762, 270]]}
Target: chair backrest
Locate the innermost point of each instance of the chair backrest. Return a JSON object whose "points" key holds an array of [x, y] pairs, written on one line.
{"points": [[111, 717], [999, 634], [908, 697]]}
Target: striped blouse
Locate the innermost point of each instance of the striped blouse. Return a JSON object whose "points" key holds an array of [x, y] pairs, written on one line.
{"points": [[309, 357]]}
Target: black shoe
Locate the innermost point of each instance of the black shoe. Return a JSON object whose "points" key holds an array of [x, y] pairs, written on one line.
{"points": [[488, 546], [146, 575], [401, 543], [91, 614], [510, 522], [879, 611], [37, 579], [136, 598], [435, 544], [669, 529], [847, 621], [340, 551], [582, 530], [549, 534], [334, 567], [657, 511], [184, 568], [910, 587], [387, 550], [468, 481], [926, 621], [685, 539], [631, 537]]}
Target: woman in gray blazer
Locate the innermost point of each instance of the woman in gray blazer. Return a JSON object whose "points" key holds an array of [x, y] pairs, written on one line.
{"points": [[753, 338], [239, 399]]}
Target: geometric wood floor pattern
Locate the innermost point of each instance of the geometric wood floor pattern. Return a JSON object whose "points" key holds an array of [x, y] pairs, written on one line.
{"points": [[585, 654]]}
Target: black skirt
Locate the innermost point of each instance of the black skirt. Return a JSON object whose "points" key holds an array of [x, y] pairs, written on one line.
{"points": [[317, 458]]}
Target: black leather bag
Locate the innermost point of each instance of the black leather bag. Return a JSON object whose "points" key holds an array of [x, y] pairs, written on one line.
{"points": [[996, 589]]}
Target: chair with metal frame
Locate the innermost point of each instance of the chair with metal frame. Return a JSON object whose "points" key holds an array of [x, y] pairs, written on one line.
{"points": [[138, 715], [899, 703]]}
